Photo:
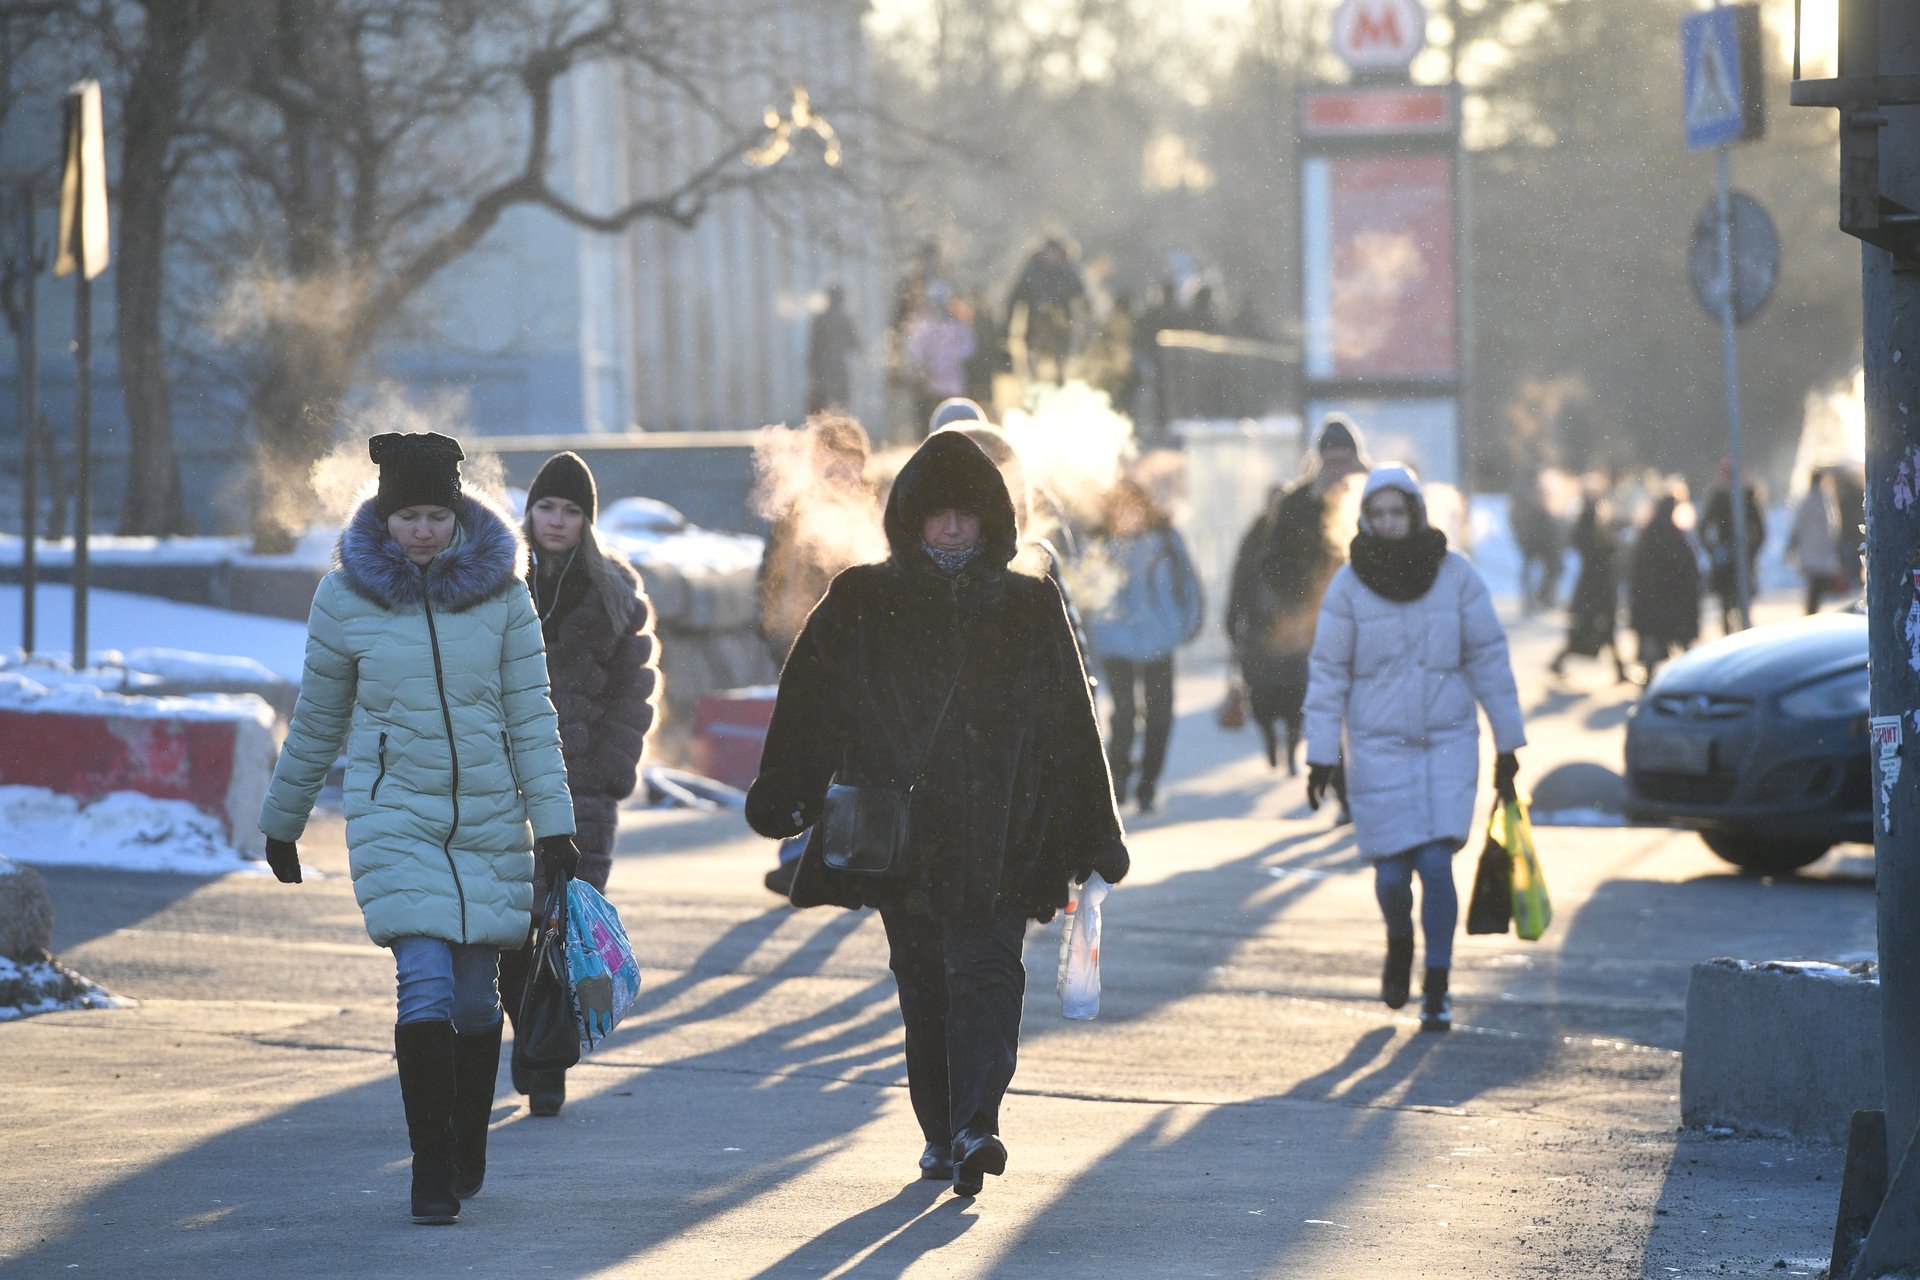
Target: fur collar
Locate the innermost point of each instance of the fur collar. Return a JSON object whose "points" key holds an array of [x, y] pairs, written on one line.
{"points": [[486, 556]]}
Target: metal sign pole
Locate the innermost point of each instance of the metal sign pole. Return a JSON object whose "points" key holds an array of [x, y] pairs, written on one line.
{"points": [[1729, 331], [29, 423]]}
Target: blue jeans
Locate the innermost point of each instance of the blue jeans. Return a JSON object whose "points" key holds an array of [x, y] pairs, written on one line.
{"points": [[1439, 903], [439, 980]]}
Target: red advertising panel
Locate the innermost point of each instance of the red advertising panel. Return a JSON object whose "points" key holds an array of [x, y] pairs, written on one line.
{"points": [[1379, 266]]}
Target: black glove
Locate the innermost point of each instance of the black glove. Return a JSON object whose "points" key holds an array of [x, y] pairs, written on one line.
{"points": [[284, 857], [1319, 778], [557, 855], [776, 807], [1505, 769]]}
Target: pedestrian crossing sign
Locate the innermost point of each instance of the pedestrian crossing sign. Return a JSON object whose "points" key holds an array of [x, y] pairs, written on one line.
{"points": [[1721, 80]]}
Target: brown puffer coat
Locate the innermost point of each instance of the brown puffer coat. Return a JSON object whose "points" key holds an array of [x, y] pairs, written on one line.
{"points": [[603, 663]]}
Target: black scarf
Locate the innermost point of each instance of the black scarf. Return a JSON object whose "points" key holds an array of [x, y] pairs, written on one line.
{"points": [[1400, 569]]}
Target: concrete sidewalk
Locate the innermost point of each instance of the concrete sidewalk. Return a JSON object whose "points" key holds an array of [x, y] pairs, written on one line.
{"points": [[1244, 1106]]}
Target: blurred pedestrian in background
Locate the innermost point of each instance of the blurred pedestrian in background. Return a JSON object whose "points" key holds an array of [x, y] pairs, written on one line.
{"points": [[1593, 614], [424, 661], [1716, 538], [603, 667], [943, 673], [1814, 543], [1407, 642], [1051, 296], [1150, 603], [1663, 595], [831, 343], [939, 341], [1287, 558], [1543, 545]]}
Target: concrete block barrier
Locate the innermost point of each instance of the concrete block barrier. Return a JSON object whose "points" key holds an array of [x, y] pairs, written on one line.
{"points": [[1781, 1047], [214, 752]]}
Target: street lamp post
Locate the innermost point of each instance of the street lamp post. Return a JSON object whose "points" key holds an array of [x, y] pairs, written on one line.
{"points": [[1878, 1231]]}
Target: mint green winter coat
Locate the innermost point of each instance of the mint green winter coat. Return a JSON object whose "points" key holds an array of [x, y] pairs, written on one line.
{"points": [[436, 683]]}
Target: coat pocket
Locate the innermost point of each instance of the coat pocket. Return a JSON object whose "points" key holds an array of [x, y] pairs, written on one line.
{"points": [[381, 776], [513, 768]]}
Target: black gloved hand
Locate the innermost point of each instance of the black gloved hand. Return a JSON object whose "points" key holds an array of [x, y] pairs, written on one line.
{"points": [[557, 855], [284, 857], [1319, 778], [1505, 769], [777, 806]]}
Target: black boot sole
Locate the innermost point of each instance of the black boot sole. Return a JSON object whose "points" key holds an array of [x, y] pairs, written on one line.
{"points": [[969, 1173]]}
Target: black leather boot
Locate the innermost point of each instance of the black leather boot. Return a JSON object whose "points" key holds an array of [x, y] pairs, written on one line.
{"points": [[476, 1066], [547, 1091], [425, 1054], [1436, 1006], [1396, 978]]}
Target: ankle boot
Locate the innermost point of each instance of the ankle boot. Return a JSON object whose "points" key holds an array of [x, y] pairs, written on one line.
{"points": [[1396, 979], [476, 1065], [1436, 1006], [425, 1053], [547, 1091]]}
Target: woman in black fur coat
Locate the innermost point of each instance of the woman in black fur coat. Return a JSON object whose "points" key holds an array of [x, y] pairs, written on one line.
{"points": [[943, 671], [604, 669]]}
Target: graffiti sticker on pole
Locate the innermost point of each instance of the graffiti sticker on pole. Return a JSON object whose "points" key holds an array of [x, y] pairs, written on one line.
{"points": [[1886, 733]]}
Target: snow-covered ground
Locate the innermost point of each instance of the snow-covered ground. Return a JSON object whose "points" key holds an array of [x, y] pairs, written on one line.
{"points": [[39, 986], [124, 830], [177, 637]]}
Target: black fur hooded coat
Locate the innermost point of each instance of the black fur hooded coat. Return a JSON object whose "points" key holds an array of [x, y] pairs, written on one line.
{"points": [[603, 666], [1014, 800]]}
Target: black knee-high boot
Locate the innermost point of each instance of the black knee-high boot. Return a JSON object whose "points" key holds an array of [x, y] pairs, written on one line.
{"points": [[476, 1065], [425, 1053]]}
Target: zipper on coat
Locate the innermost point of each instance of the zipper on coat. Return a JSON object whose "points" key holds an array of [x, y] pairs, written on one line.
{"points": [[382, 775], [453, 751], [513, 769]]}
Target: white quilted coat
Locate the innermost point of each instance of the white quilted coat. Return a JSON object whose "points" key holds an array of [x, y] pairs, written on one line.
{"points": [[1403, 679]]}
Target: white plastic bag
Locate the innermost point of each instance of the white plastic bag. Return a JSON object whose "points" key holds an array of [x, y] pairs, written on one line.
{"points": [[1078, 980]]}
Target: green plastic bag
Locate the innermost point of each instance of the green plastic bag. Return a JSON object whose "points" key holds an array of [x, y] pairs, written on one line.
{"points": [[1532, 909]]}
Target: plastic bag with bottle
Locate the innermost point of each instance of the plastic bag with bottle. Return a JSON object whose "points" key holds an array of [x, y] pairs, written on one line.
{"points": [[1078, 980]]}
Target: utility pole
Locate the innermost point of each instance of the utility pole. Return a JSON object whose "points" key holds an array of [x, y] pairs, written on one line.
{"points": [[1877, 92], [82, 252], [29, 349]]}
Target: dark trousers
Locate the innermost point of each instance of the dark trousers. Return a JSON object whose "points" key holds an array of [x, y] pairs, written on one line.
{"points": [[1156, 677], [960, 993]]}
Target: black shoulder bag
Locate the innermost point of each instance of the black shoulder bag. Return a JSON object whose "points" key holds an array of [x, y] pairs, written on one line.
{"points": [[863, 830], [546, 1036]]}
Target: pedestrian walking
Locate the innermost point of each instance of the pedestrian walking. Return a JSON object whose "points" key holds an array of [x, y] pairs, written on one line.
{"points": [[1053, 297], [939, 341], [832, 341], [1716, 538], [1288, 556], [1663, 595], [941, 672], [1814, 544], [1593, 612], [1148, 603], [424, 661], [1407, 642], [603, 668], [1542, 542]]}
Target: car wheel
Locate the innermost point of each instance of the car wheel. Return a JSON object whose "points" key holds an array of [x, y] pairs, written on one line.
{"points": [[1764, 855]]}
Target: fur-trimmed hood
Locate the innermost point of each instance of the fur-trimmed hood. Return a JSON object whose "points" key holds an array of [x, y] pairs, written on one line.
{"points": [[485, 556], [950, 470]]}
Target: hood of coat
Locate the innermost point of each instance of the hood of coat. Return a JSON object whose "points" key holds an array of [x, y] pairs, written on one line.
{"points": [[949, 471], [486, 555], [1394, 475]]}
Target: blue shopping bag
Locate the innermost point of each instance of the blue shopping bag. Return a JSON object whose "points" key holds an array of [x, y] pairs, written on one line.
{"points": [[605, 976]]}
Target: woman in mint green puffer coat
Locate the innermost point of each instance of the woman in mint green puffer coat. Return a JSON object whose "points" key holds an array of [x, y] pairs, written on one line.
{"points": [[425, 660]]}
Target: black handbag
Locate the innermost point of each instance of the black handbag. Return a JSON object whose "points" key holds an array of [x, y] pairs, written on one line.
{"points": [[1491, 908], [546, 1036], [864, 829]]}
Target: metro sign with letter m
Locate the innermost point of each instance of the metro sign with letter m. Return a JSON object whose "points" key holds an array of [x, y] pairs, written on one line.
{"points": [[1375, 35]]}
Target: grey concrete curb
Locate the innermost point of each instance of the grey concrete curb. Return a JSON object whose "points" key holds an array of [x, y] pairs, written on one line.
{"points": [[1781, 1047]]}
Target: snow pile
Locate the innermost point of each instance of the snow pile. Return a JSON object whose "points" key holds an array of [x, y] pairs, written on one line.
{"points": [[50, 688], [156, 628], [123, 830], [45, 985]]}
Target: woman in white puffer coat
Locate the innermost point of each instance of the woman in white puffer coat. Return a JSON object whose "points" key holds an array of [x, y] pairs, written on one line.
{"points": [[1406, 643]]}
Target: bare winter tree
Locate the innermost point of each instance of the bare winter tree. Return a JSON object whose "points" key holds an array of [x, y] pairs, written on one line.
{"points": [[373, 143]]}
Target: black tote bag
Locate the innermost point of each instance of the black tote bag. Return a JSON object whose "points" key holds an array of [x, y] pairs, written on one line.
{"points": [[1491, 908], [547, 1037]]}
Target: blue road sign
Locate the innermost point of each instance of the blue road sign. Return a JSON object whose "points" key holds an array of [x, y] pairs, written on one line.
{"points": [[1720, 62]]}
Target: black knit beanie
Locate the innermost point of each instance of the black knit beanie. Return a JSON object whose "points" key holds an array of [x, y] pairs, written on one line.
{"points": [[565, 475], [416, 470]]}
